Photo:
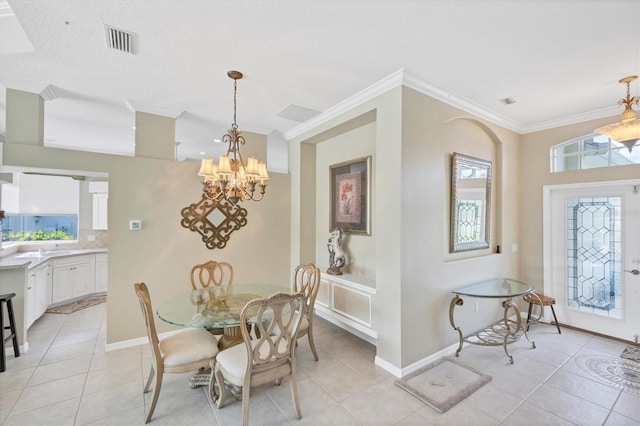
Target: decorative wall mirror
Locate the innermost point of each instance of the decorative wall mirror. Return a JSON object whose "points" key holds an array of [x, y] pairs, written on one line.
{"points": [[470, 203], [214, 220]]}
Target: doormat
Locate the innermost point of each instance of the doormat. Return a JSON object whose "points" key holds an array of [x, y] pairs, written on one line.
{"points": [[443, 384], [631, 352], [620, 373], [72, 307]]}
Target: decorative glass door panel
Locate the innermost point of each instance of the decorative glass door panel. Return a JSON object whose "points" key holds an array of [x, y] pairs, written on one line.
{"points": [[593, 255]]}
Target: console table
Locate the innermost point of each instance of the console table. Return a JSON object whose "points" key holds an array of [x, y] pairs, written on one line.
{"points": [[503, 332]]}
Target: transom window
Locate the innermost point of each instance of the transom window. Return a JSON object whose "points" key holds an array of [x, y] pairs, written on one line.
{"points": [[589, 152]]}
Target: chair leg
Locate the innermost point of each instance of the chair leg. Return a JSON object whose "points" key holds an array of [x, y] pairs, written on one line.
{"points": [[555, 318], [3, 365], [221, 385], [149, 380], [529, 315], [12, 329], [294, 394], [156, 393], [246, 391], [212, 382], [311, 343]]}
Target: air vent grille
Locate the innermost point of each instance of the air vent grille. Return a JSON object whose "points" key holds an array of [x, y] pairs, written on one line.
{"points": [[119, 39], [508, 100]]}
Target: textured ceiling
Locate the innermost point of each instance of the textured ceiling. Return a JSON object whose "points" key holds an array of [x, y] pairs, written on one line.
{"points": [[560, 60]]}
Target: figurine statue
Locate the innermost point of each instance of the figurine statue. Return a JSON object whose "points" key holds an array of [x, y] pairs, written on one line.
{"points": [[337, 258]]}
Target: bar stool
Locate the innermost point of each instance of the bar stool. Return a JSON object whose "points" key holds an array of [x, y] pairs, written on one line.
{"points": [[6, 299], [540, 300]]}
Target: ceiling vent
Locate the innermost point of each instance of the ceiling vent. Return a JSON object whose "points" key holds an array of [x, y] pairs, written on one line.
{"points": [[119, 39], [297, 113], [508, 101]]}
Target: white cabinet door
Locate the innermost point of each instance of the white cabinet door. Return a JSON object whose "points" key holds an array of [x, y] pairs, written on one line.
{"points": [[62, 284], [83, 279], [30, 297], [100, 211], [101, 273], [43, 289], [73, 277]]}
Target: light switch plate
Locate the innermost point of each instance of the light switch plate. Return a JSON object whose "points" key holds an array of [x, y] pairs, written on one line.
{"points": [[135, 225]]}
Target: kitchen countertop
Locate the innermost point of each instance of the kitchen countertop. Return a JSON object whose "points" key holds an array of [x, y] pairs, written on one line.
{"points": [[15, 261]]}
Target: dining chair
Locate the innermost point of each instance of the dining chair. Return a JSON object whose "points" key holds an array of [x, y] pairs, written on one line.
{"points": [[307, 281], [215, 276], [188, 350], [267, 358]]}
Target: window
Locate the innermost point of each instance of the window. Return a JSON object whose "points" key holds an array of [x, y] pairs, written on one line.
{"points": [[17, 227], [590, 152]]}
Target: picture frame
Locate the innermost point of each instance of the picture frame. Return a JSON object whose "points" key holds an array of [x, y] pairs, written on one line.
{"points": [[350, 196]]}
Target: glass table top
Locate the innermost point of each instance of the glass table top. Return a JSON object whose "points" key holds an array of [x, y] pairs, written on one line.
{"points": [[496, 288], [191, 309]]}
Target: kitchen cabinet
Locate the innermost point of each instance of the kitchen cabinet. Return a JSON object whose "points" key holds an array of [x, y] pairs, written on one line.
{"points": [[44, 280], [346, 300], [73, 277], [100, 202], [101, 279], [38, 294], [30, 298]]}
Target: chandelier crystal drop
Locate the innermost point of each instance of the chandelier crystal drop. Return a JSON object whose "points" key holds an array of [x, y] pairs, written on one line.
{"points": [[627, 131], [230, 178]]}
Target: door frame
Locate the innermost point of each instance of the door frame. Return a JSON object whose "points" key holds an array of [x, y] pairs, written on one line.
{"points": [[547, 190]]}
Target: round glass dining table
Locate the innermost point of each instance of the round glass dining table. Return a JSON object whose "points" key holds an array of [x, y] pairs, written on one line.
{"points": [[197, 308]]}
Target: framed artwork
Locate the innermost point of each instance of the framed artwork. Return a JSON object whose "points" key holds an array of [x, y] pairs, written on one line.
{"points": [[350, 188]]}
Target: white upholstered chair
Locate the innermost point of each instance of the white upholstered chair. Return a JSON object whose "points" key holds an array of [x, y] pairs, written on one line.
{"points": [[267, 358], [188, 350], [307, 281]]}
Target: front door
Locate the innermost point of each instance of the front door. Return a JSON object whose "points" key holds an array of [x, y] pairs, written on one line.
{"points": [[592, 255]]}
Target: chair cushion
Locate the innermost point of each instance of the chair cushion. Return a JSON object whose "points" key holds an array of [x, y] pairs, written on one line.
{"points": [[234, 362], [188, 346]]}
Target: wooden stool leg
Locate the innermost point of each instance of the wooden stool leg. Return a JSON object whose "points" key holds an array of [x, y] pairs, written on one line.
{"points": [[555, 319], [529, 315], [2, 341], [12, 327]]}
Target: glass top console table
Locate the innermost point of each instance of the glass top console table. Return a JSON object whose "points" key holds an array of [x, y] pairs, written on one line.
{"points": [[506, 330]]}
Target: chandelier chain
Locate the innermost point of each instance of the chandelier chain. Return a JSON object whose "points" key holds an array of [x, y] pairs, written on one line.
{"points": [[234, 126]]}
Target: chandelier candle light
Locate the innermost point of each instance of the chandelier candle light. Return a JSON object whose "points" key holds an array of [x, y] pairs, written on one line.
{"points": [[627, 131], [230, 178]]}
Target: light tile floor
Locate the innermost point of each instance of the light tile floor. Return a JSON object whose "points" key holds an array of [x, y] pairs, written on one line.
{"points": [[67, 378]]}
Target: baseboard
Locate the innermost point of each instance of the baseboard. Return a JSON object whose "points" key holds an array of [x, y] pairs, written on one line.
{"points": [[405, 371], [124, 344], [346, 324]]}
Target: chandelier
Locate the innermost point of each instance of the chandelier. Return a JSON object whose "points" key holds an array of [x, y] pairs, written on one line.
{"points": [[230, 178], [627, 131]]}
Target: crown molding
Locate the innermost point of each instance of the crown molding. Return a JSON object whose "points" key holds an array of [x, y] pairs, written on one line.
{"points": [[402, 77], [49, 93], [5, 10], [460, 102], [348, 104], [135, 106], [28, 86], [572, 119]]}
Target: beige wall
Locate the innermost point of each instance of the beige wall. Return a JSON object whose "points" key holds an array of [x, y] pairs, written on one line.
{"points": [[360, 249], [534, 168], [162, 253], [415, 136]]}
